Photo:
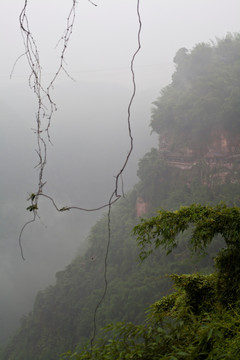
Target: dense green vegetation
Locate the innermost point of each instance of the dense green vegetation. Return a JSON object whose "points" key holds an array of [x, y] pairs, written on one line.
{"points": [[62, 316], [192, 111], [201, 320], [204, 94], [175, 328]]}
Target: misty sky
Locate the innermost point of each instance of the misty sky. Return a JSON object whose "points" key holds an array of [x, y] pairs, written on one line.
{"points": [[90, 124], [104, 37]]}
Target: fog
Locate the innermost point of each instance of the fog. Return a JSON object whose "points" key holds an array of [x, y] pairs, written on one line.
{"points": [[89, 131]]}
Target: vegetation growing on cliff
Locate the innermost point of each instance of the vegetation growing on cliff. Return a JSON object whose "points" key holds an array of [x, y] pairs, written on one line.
{"points": [[201, 320], [204, 94]]}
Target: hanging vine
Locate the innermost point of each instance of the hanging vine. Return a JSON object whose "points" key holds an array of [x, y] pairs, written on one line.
{"points": [[46, 106], [45, 109]]}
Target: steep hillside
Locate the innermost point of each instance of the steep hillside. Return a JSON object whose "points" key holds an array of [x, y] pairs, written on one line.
{"points": [[198, 120], [200, 319]]}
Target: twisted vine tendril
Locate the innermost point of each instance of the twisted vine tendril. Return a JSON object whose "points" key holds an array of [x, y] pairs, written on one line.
{"points": [[46, 108]]}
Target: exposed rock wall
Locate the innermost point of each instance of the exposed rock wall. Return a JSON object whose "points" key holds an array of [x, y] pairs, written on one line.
{"points": [[219, 160], [141, 207]]}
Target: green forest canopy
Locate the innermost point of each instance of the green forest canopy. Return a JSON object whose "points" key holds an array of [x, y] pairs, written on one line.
{"points": [[204, 92], [201, 320]]}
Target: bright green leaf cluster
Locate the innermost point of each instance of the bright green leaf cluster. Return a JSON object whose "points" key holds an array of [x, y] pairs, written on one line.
{"points": [[205, 223]]}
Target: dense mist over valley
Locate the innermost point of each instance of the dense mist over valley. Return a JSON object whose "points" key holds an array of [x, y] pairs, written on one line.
{"points": [[89, 131], [82, 163]]}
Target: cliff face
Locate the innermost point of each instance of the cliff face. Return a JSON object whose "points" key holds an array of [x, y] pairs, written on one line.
{"points": [[219, 160], [142, 206], [197, 116]]}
